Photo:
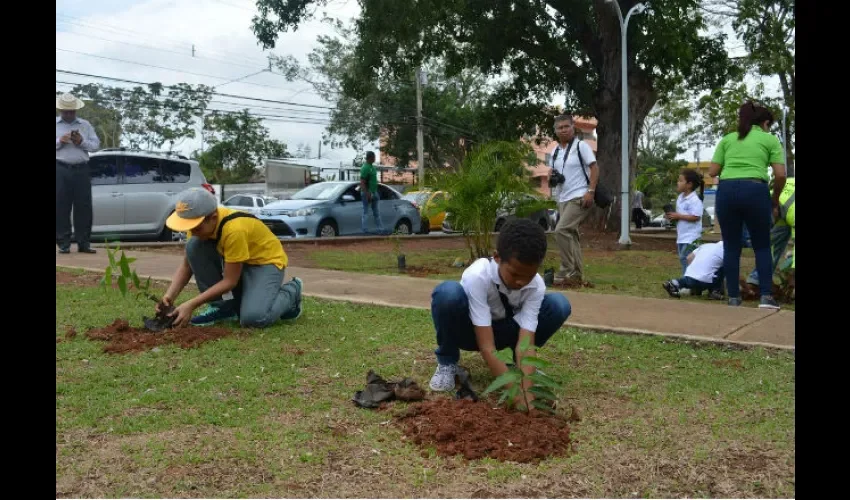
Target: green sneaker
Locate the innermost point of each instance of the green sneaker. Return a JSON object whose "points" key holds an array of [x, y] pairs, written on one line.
{"points": [[296, 311], [214, 314]]}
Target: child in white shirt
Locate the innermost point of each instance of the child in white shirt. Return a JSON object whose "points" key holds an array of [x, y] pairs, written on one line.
{"points": [[498, 302], [688, 212], [704, 272]]}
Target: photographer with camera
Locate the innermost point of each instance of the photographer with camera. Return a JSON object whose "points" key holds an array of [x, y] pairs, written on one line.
{"points": [[574, 190], [75, 139]]}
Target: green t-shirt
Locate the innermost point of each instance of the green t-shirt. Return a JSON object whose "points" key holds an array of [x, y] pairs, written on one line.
{"points": [[749, 158], [369, 173]]}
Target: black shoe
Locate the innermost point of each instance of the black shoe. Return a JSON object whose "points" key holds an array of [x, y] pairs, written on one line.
{"points": [[768, 302], [715, 295], [64, 250], [671, 289], [87, 250]]}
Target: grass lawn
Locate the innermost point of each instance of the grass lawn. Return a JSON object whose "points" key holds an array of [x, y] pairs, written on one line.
{"points": [[268, 414]]}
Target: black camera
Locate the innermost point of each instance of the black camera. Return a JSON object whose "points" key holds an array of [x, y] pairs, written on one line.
{"points": [[556, 178]]}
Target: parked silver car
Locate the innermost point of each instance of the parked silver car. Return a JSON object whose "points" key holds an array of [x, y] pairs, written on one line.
{"points": [[133, 192], [328, 209], [251, 203]]}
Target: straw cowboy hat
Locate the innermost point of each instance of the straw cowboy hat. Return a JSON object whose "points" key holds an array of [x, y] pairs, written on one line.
{"points": [[67, 102]]}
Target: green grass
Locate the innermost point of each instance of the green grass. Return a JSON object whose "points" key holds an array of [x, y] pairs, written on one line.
{"points": [[269, 414]]}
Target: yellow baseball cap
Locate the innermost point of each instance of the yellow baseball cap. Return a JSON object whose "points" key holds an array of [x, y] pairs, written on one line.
{"points": [[192, 206]]}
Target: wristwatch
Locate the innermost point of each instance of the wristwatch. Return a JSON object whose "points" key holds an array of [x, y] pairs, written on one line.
{"points": [[591, 190]]}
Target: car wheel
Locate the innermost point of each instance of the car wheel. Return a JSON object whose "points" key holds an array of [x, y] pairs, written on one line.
{"points": [[403, 227], [499, 224], [327, 229], [166, 234]]}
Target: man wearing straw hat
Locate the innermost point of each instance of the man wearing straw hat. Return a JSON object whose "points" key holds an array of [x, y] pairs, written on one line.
{"points": [[75, 139]]}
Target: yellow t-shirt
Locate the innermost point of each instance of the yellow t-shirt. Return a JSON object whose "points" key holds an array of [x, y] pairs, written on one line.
{"points": [[248, 241]]}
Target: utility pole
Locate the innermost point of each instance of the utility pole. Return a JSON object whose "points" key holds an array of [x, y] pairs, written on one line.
{"points": [[193, 50], [320, 150], [420, 160]]}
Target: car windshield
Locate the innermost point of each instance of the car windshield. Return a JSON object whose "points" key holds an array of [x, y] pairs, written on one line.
{"points": [[320, 191], [418, 197]]}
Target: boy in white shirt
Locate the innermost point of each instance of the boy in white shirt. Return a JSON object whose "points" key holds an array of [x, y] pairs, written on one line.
{"points": [[704, 272], [498, 302]]}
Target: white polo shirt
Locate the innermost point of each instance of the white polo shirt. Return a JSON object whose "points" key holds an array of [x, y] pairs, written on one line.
{"points": [[575, 185], [708, 259], [482, 285], [688, 232]]}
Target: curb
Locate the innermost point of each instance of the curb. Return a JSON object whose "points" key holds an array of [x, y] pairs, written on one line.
{"points": [[597, 328]]}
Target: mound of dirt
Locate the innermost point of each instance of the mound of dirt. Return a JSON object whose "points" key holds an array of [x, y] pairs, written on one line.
{"points": [[475, 429], [751, 292], [122, 338]]}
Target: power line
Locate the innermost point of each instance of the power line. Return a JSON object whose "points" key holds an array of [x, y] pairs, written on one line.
{"points": [[272, 101]]}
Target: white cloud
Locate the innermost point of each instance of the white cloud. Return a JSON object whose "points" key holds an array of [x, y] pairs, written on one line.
{"points": [[163, 32]]}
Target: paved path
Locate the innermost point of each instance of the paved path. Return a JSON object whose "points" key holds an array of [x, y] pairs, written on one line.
{"points": [[686, 319]]}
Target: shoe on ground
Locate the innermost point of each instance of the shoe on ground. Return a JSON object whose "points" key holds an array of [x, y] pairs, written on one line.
{"points": [[64, 250], [735, 301], [768, 302], [716, 295], [444, 378], [87, 250], [214, 314], [296, 311], [671, 289]]}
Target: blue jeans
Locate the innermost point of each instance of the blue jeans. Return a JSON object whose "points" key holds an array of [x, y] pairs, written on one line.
{"points": [[450, 312], [682, 251], [747, 202], [780, 235], [698, 286], [363, 218], [259, 299]]}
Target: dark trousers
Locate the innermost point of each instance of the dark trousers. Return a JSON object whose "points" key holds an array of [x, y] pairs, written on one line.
{"points": [[698, 286], [73, 191], [450, 312], [639, 218], [747, 202]]}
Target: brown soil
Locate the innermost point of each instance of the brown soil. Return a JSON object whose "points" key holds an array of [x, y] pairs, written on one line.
{"points": [[751, 292], [477, 430], [122, 338], [424, 271]]}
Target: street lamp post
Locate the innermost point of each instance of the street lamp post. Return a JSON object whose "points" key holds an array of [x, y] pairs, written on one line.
{"points": [[624, 186]]}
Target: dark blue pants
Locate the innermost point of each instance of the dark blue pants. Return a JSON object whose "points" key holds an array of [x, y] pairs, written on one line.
{"points": [[450, 312], [698, 286], [747, 202]]}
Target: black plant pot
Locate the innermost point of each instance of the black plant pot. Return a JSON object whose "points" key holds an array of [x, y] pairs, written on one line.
{"points": [[402, 263]]}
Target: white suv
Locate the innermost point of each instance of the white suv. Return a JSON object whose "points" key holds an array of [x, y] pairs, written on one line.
{"points": [[133, 192]]}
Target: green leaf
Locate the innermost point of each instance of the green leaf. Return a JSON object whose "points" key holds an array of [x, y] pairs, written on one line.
{"points": [[130, 260], [107, 276], [147, 284], [122, 285], [536, 362], [506, 355], [125, 266], [136, 280], [111, 254], [542, 392], [502, 380], [540, 405], [543, 380], [524, 343]]}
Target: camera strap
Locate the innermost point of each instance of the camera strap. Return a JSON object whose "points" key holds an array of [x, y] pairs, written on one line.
{"points": [[566, 155]]}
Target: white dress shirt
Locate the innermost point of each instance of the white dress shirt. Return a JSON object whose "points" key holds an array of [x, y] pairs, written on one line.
{"points": [[482, 285], [71, 153]]}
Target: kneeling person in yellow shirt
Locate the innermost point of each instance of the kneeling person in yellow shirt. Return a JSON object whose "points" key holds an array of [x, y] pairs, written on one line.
{"points": [[237, 262]]}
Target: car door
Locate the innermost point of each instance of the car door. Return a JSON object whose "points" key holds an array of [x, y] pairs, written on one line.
{"points": [[148, 200], [347, 213], [388, 206], [107, 197], [436, 219]]}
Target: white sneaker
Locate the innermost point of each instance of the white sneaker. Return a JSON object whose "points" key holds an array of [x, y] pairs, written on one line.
{"points": [[444, 378]]}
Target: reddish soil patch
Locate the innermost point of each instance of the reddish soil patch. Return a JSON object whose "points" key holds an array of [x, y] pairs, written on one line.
{"points": [[573, 285], [87, 279], [423, 271], [122, 338], [477, 430], [70, 332], [751, 292]]}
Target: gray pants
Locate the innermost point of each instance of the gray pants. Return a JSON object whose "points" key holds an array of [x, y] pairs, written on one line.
{"points": [[73, 190], [261, 295], [571, 215]]}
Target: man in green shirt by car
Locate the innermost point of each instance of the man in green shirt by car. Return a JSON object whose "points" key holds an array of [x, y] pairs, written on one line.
{"points": [[369, 193]]}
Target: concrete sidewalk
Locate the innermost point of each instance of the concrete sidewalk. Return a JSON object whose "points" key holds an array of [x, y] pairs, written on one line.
{"points": [[712, 322]]}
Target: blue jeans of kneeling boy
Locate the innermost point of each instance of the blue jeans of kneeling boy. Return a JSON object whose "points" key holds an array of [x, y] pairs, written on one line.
{"points": [[450, 312]]}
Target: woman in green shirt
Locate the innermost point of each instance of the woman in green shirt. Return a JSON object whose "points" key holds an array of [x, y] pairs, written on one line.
{"points": [[742, 159]]}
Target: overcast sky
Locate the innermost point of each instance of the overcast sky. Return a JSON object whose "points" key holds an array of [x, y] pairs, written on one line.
{"points": [[152, 40]]}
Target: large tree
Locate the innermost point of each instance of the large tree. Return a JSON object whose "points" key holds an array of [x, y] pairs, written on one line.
{"points": [[538, 49], [238, 144]]}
